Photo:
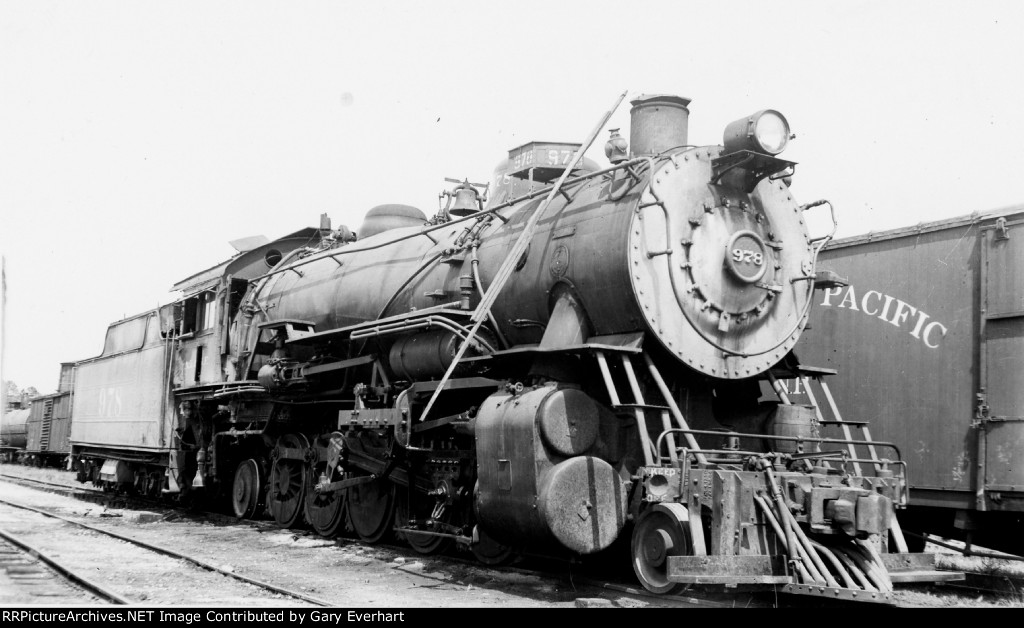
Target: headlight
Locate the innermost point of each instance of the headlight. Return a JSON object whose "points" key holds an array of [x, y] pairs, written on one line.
{"points": [[765, 132]]}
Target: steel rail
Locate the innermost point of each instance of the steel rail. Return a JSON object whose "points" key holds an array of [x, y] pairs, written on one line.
{"points": [[577, 579], [64, 571], [966, 551], [175, 554], [53, 484]]}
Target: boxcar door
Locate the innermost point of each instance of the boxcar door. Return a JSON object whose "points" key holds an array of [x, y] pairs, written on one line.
{"points": [[1002, 363]]}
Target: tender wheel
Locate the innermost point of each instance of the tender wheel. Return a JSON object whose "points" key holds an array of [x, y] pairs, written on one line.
{"points": [[324, 511], [658, 534], [287, 484], [156, 484], [247, 489]]}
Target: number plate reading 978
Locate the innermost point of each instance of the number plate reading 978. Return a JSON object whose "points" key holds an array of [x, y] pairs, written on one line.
{"points": [[544, 157]]}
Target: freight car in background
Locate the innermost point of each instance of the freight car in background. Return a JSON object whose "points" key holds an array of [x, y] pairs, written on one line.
{"points": [[12, 433], [928, 339], [48, 428]]}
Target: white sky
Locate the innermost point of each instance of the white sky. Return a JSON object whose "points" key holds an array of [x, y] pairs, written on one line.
{"points": [[138, 138]]}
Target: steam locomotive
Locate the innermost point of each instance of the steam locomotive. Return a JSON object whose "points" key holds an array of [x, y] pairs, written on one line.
{"points": [[591, 354]]}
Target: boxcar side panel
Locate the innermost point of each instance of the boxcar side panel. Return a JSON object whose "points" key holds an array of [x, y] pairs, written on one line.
{"points": [[34, 425], [48, 424], [903, 336], [60, 430], [1002, 354]]}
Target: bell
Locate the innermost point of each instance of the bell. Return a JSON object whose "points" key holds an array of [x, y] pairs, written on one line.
{"points": [[467, 200], [197, 482]]}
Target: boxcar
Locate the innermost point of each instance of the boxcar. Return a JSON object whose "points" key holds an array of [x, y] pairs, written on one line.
{"points": [[928, 339], [49, 423]]}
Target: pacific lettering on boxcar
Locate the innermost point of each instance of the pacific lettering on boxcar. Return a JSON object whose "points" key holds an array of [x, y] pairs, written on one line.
{"points": [[569, 364]]}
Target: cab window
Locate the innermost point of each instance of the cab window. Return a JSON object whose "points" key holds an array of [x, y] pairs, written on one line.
{"points": [[199, 312]]}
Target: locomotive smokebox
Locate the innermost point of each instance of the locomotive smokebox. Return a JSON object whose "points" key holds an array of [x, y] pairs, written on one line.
{"points": [[658, 122]]}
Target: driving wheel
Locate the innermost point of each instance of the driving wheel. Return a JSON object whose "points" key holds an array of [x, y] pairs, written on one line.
{"points": [[287, 483], [324, 511]]}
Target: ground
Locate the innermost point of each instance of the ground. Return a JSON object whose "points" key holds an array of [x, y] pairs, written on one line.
{"points": [[342, 572]]}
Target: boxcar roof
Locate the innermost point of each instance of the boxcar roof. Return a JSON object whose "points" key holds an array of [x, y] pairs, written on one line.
{"points": [[925, 227]]}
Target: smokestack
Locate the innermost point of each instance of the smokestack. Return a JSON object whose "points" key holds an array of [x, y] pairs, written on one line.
{"points": [[658, 122]]}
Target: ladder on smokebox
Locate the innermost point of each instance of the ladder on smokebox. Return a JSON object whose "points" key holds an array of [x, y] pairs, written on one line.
{"points": [[638, 407], [808, 374], [44, 430], [669, 413]]}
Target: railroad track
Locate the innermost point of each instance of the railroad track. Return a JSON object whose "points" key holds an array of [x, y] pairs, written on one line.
{"points": [[633, 594], [980, 584], [83, 492], [159, 550], [34, 570]]}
